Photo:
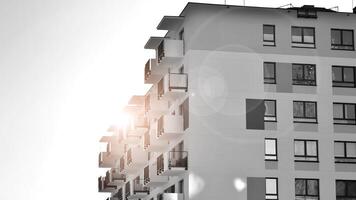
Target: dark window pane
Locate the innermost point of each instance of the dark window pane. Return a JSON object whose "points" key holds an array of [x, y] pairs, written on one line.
{"points": [[313, 187], [347, 37], [298, 110], [300, 187], [296, 34], [268, 33], [269, 70], [340, 188], [338, 111], [339, 149], [337, 74], [309, 72], [349, 111], [351, 188], [297, 71], [270, 108], [349, 74], [335, 37], [310, 110], [308, 35]]}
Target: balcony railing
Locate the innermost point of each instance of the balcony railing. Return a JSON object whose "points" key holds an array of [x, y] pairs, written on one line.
{"points": [[174, 83], [103, 185], [178, 159], [127, 189], [160, 51], [146, 175], [139, 187]]}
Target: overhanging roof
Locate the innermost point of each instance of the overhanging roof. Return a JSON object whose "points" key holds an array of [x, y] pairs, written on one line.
{"points": [[170, 23], [153, 42]]}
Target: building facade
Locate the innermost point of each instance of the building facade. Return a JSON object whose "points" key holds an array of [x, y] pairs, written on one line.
{"points": [[246, 103]]}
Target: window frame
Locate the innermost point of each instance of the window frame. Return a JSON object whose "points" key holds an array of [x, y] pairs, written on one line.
{"points": [[266, 42], [276, 149], [268, 194], [302, 42], [342, 76], [343, 114], [305, 117], [341, 39], [306, 156], [275, 111], [345, 157], [274, 74], [306, 80], [346, 189], [306, 188]]}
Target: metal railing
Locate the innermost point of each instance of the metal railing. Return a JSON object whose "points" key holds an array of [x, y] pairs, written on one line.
{"points": [[178, 159], [148, 69], [139, 187], [160, 51]]}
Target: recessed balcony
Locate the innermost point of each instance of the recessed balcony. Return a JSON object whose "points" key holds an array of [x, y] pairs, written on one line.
{"points": [[172, 163], [152, 179], [139, 190], [172, 86], [115, 177], [151, 144], [169, 52], [117, 195], [138, 126], [170, 127], [106, 160], [154, 108], [103, 185], [136, 158], [153, 72], [172, 196]]}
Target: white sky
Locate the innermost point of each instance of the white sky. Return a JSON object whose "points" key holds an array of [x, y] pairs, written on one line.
{"points": [[66, 69]]}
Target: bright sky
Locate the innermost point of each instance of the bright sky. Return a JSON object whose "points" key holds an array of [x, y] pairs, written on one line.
{"points": [[66, 69]]}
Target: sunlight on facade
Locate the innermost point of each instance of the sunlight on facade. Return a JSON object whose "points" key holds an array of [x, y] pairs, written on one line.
{"points": [[239, 184], [196, 185]]}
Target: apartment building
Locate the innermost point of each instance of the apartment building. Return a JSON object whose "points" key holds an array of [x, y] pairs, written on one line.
{"points": [[246, 103]]}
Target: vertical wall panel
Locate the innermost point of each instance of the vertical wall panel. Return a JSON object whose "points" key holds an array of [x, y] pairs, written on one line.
{"points": [[255, 111], [256, 188], [284, 77]]}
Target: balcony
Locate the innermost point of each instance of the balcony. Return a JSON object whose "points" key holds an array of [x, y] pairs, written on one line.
{"points": [[172, 163], [139, 190], [117, 195], [169, 52], [151, 144], [154, 108], [169, 127], [138, 126], [151, 179], [103, 185], [136, 158], [172, 196], [172, 86], [153, 73], [106, 160], [115, 150], [115, 178]]}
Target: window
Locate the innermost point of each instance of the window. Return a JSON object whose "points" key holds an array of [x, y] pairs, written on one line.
{"points": [[344, 113], [306, 150], [269, 72], [304, 112], [343, 76], [270, 111], [303, 37], [342, 39], [306, 189], [269, 35], [271, 149], [304, 74], [345, 189], [345, 152], [271, 188]]}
